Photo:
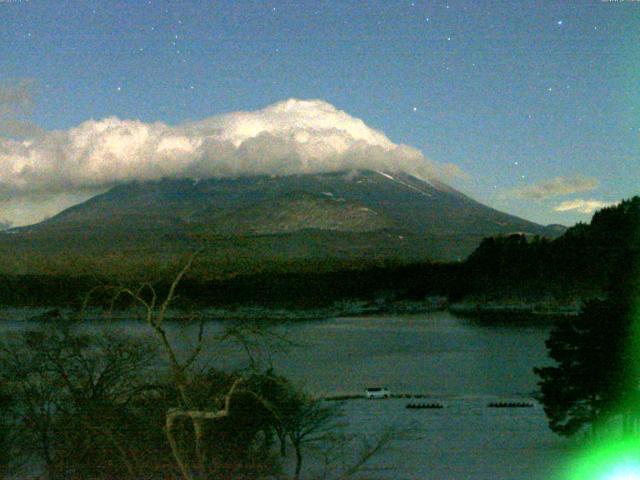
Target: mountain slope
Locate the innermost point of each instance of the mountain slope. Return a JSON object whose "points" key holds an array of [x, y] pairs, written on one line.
{"points": [[405, 202], [346, 216]]}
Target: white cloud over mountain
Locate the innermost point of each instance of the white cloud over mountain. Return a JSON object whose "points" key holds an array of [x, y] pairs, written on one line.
{"points": [[293, 136]]}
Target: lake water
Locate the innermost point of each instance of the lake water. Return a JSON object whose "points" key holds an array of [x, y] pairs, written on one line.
{"points": [[436, 353], [461, 363]]}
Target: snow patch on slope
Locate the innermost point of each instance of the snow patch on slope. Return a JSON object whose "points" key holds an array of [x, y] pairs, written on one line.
{"points": [[405, 184]]}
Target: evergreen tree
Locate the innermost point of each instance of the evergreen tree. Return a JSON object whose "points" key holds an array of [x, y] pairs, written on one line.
{"points": [[597, 353], [594, 371]]}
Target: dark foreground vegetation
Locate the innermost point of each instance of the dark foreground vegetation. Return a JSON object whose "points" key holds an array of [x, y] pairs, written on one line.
{"points": [[110, 406], [581, 264]]}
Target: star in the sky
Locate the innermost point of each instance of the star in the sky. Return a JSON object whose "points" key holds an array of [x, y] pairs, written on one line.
{"points": [[560, 22], [415, 109]]}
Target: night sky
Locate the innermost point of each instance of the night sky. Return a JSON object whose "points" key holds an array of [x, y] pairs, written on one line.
{"points": [[537, 102]]}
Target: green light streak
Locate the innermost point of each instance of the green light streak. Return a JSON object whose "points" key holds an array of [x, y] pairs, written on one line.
{"points": [[613, 460]]}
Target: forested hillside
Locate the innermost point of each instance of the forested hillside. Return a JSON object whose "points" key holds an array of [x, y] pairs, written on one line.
{"points": [[583, 262]]}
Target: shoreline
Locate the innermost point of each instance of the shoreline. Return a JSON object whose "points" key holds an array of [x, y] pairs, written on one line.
{"points": [[514, 311], [492, 312]]}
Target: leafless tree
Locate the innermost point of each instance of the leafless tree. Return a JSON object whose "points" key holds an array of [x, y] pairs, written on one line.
{"points": [[71, 395], [294, 416], [154, 313]]}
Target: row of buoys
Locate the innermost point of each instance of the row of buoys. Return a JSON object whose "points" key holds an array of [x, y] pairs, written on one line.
{"points": [[510, 405], [424, 405], [418, 406]]}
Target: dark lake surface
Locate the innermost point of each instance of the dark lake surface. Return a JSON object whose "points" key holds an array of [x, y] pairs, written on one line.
{"points": [[435, 353], [462, 363]]}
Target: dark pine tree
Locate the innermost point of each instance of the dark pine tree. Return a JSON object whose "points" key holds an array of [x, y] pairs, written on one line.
{"points": [[597, 353]]}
